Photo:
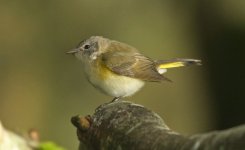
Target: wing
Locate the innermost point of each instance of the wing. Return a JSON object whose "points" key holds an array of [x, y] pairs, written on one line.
{"points": [[125, 60]]}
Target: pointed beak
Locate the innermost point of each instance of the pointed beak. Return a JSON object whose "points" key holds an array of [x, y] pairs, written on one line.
{"points": [[73, 51]]}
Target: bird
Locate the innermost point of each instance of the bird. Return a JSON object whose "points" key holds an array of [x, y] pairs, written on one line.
{"points": [[120, 70]]}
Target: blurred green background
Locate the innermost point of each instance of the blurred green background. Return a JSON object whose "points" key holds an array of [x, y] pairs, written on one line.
{"points": [[42, 87]]}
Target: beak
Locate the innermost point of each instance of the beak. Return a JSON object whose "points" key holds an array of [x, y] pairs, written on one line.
{"points": [[73, 51]]}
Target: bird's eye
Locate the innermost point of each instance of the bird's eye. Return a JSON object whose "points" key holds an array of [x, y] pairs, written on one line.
{"points": [[86, 46]]}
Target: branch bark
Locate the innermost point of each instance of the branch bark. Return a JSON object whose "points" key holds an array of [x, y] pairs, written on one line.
{"points": [[124, 125]]}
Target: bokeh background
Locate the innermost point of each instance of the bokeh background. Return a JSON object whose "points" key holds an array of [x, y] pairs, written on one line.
{"points": [[42, 87]]}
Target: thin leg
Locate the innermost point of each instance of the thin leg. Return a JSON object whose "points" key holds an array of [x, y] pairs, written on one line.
{"points": [[115, 99]]}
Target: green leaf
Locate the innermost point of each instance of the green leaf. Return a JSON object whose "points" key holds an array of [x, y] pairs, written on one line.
{"points": [[49, 146]]}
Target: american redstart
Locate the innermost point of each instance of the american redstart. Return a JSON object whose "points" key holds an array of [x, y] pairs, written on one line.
{"points": [[120, 70]]}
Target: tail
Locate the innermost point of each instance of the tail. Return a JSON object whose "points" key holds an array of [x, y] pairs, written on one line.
{"points": [[163, 65]]}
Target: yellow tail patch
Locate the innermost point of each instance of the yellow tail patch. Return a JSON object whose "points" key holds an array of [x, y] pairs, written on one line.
{"points": [[165, 64], [171, 65]]}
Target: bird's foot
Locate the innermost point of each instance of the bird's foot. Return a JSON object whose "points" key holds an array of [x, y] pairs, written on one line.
{"points": [[115, 99]]}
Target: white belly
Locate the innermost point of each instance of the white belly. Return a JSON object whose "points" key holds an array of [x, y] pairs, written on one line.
{"points": [[115, 85], [120, 86]]}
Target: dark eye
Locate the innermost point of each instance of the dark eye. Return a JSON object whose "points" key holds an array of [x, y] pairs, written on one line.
{"points": [[86, 46]]}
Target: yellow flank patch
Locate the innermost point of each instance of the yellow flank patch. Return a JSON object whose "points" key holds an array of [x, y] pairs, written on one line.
{"points": [[102, 71], [171, 65]]}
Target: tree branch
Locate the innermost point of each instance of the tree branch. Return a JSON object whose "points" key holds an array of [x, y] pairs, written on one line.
{"points": [[124, 125]]}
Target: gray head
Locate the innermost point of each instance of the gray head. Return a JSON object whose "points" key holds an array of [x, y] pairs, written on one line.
{"points": [[90, 48]]}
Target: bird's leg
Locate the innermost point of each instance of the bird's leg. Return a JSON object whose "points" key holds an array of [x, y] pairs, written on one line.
{"points": [[115, 99]]}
